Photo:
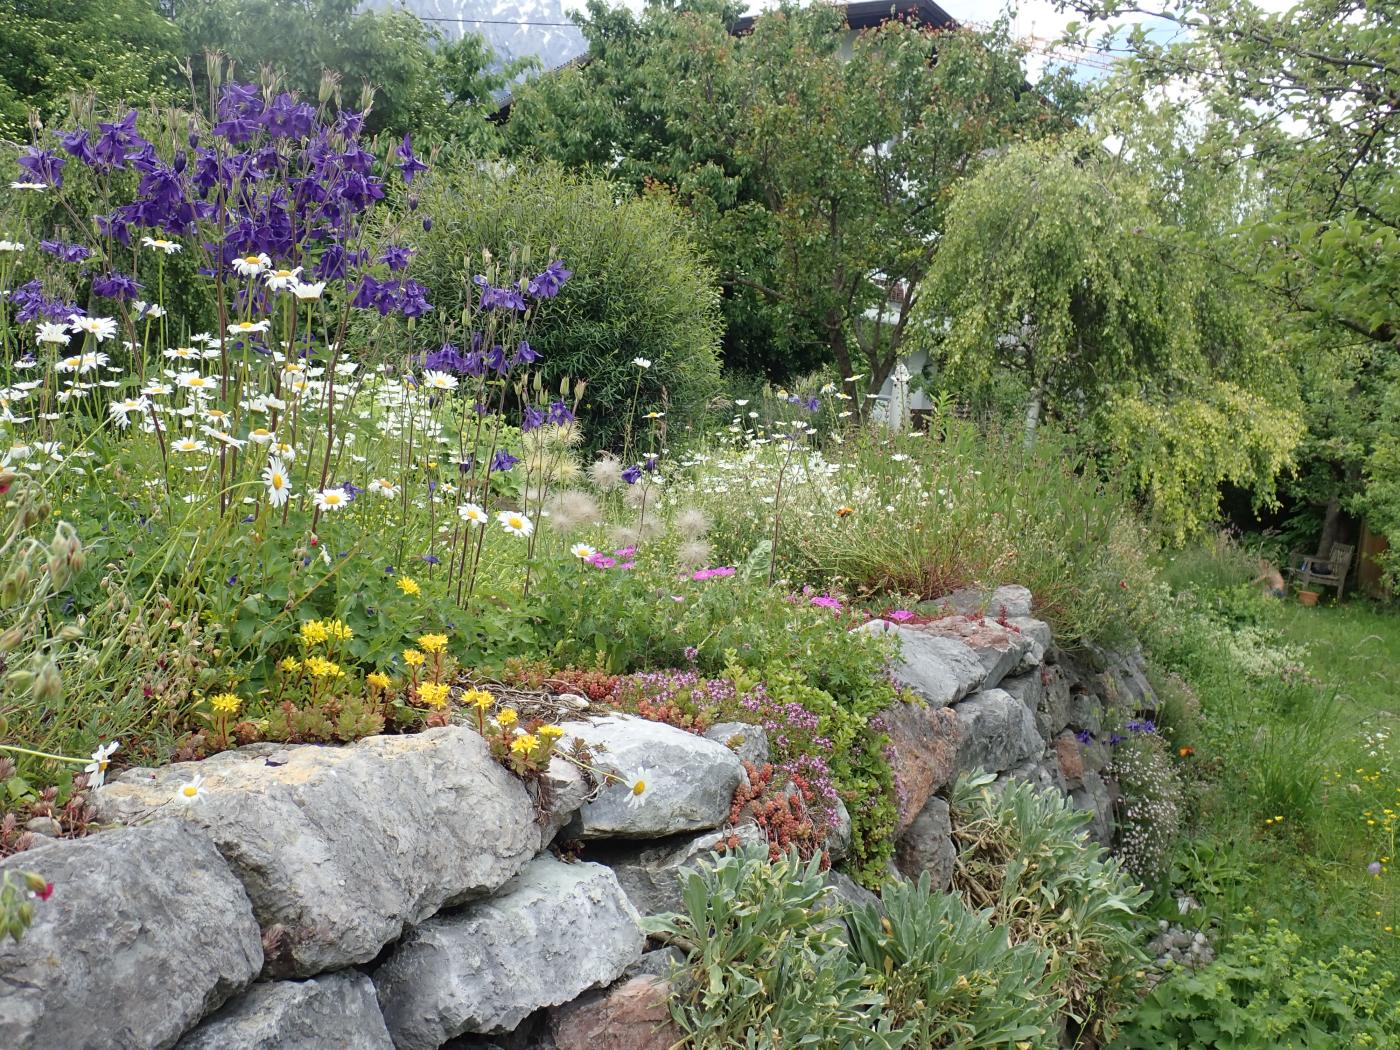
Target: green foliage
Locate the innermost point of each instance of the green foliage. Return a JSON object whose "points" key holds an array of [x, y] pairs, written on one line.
{"points": [[766, 967], [122, 50], [422, 84], [1149, 810], [1065, 260], [817, 169], [639, 288], [1022, 854], [950, 978], [1262, 993]]}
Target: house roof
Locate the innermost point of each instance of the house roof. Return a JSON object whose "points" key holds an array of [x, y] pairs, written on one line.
{"points": [[865, 14]]}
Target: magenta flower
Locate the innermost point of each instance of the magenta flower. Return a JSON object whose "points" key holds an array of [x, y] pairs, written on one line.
{"points": [[899, 615], [826, 601]]}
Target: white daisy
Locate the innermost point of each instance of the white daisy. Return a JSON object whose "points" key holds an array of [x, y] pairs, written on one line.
{"points": [[330, 499], [28, 186], [248, 327], [120, 410], [384, 487], [101, 759], [278, 482], [582, 550], [11, 246], [471, 514], [434, 380], [251, 265], [192, 792], [161, 245], [281, 280], [281, 448], [200, 384], [188, 445], [308, 291], [182, 353], [641, 362], [260, 435], [637, 788], [144, 309], [100, 328], [515, 523]]}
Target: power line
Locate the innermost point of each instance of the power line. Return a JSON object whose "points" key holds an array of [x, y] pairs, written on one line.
{"points": [[493, 21]]}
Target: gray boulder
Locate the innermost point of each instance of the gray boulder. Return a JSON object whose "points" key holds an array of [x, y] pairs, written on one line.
{"points": [[997, 732], [927, 846], [659, 963], [748, 742], [937, 670], [146, 932], [926, 742], [1093, 796], [1039, 637], [336, 1011], [652, 877], [1008, 600], [1085, 711], [553, 932], [690, 781], [1000, 650], [839, 835], [843, 892], [342, 847]]}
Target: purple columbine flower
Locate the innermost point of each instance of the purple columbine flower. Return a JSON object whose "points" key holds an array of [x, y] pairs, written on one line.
{"points": [[525, 354], [447, 359], [546, 285], [632, 475], [43, 165], [69, 253], [396, 257], [502, 461], [530, 419], [117, 286], [409, 164], [493, 298], [560, 413], [1084, 736], [1142, 725]]}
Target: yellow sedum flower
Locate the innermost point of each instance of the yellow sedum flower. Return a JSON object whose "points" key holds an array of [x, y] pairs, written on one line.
{"points": [[432, 643], [508, 717], [409, 585], [313, 632], [339, 630], [480, 697], [413, 658], [320, 667], [378, 679], [289, 664], [433, 694], [524, 743], [550, 733], [225, 703]]}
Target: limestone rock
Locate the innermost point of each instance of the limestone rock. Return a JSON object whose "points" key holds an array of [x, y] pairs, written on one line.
{"points": [[1008, 600], [633, 1015], [336, 1011], [998, 649], [652, 876], [748, 742], [658, 963], [551, 933], [926, 741], [1071, 758], [844, 892], [927, 845], [997, 732], [146, 932], [564, 794], [938, 670], [1093, 795], [345, 846], [690, 780], [840, 834], [1040, 638], [1085, 711]]}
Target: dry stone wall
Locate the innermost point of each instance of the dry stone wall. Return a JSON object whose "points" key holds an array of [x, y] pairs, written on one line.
{"points": [[399, 892]]}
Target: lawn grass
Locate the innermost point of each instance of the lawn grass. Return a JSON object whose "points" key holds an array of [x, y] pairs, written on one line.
{"points": [[1299, 720]]}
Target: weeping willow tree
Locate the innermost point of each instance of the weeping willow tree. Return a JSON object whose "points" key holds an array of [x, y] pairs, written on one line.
{"points": [[1078, 271]]}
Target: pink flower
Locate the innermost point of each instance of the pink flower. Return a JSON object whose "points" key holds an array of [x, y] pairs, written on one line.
{"points": [[899, 615], [601, 561], [625, 552], [826, 601]]}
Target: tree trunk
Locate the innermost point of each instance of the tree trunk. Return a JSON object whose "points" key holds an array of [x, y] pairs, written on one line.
{"points": [[1331, 526], [1034, 404]]}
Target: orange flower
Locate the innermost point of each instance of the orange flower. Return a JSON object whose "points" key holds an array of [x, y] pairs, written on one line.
{"points": [[844, 512], [1186, 752]]}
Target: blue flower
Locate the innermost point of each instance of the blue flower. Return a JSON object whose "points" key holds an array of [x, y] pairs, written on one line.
{"points": [[530, 419], [546, 285], [396, 257], [43, 165], [632, 475], [117, 286], [409, 164], [502, 461]]}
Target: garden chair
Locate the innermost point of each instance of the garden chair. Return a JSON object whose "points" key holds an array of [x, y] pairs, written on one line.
{"points": [[1310, 570]]}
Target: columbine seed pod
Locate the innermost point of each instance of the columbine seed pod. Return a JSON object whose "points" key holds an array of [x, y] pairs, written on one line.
{"points": [[35, 882], [48, 683], [11, 638], [69, 632]]}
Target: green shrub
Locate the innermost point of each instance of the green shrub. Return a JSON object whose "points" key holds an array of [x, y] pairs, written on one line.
{"points": [[639, 289], [1022, 853], [767, 969], [949, 977], [1261, 994]]}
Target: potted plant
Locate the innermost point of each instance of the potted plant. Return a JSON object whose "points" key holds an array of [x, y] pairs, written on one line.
{"points": [[1309, 597]]}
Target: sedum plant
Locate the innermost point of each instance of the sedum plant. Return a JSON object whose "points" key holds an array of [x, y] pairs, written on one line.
{"points": [[1023, 855], [951, 978]]}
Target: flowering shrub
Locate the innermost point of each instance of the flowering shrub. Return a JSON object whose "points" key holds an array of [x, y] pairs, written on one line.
{"points": [[781, 812], [1148, 815]]}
